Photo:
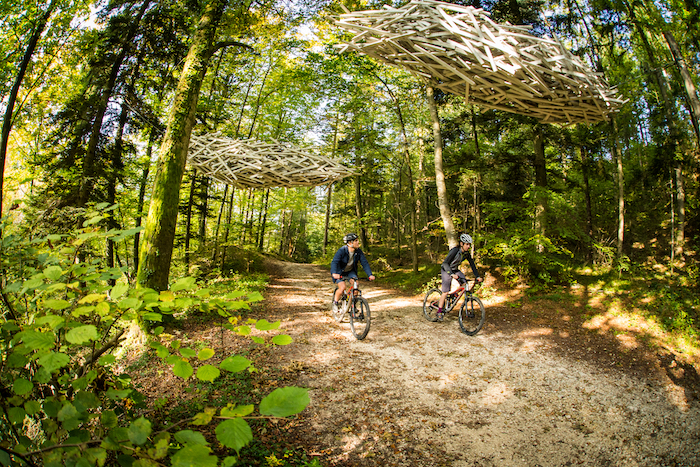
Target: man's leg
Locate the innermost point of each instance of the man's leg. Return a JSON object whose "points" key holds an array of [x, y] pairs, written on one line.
{"points": [[339, 292]]}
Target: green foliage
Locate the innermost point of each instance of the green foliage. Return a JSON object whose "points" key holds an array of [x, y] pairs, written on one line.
{"points": [[530, 258], [64, 400]]}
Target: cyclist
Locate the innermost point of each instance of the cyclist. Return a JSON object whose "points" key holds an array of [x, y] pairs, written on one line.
{"points": [[450, 269], [344, 265]]}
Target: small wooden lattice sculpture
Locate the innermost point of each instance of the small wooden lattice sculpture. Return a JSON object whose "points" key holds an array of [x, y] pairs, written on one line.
{"points": [[249, 163], [499, 66]]}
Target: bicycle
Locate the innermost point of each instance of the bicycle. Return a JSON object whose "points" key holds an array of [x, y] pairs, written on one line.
{"points": [[472, 314], [356, 307]]}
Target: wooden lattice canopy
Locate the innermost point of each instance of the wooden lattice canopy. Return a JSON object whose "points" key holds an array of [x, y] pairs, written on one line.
{"points": [[499, 66], [249, 163]]}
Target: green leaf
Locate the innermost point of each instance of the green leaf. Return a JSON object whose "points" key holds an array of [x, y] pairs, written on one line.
{"points": [[116, 394], [16, 415], [187, 352], [281, 339], [194, 456], [56, 304], [283, 402], [254, 297], [205, 354], [82, 334], [139, 431], [92, 220], [257, 339], [234, 433], [190, 437], [109, 419], [152, 316], [82, 311], [208, 373], [238, 411], [130, 302], [264, 325], [39, 340], [52, 321], [53, 272], [243, 330], [186, 283], [53, 361], [183, 369], [22, 386], [235, 364], [107, 359], [118, 290], [67, 412], [32, 407], [205, 417]]}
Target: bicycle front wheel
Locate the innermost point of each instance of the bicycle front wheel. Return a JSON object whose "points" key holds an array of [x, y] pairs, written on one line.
{"points": [[360, 319], [430, 304], [340, 311], [472, 316]]}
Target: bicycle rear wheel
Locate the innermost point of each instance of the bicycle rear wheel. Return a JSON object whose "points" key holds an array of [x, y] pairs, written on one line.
{"points": [[430, 304], [472, 316], [360, 319], [340, 312]]}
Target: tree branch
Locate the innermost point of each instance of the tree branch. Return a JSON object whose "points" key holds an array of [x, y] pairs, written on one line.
{"points": [[230, 43]]}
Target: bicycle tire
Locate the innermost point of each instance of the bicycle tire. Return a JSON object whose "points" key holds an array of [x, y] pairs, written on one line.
{"points": [[360, 319], [430, 304], [340, 314], [472, 315]]}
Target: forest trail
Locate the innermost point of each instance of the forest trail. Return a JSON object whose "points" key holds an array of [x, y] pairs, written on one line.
{"points": [[520, 393]]}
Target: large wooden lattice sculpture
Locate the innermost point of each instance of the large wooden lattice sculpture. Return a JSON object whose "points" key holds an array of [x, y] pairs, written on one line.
{"points": [[498, 66], [249, 163]]}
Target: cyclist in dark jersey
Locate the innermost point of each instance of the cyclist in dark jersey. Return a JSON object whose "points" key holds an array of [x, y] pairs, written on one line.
{"points": [[344, 264], [450, 269]]}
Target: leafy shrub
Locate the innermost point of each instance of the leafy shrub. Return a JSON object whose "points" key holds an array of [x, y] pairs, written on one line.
{"points": [[520, 260], [63, 403]]}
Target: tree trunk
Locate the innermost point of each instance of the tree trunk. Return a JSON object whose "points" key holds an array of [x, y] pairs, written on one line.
{"points": [[229, 215], [188, 223], [14, 92], [116, 166], [264, 220], [540, 165], [142, 195], [328, 217], [587, 196], [218, 225], [87, 181], [620, 191], [159, 235], [680, 203], [359, 212], [443, 200], [203, 214]]}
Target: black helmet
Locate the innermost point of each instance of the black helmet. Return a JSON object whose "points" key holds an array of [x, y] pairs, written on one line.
{"points": [[351, 237]]}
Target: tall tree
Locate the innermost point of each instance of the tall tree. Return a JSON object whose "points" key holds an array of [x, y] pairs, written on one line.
{"points": [[443, 199], [159, 233]]}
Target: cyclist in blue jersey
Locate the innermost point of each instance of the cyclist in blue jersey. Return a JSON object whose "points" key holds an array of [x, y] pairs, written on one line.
{"points": [[344, 265]]}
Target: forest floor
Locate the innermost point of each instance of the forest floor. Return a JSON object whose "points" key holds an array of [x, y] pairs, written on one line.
{"points": [[540, 385]]}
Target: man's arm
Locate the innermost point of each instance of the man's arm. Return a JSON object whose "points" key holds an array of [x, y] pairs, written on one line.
{"points": [[473, 266], [335, 264], [365, 263]]}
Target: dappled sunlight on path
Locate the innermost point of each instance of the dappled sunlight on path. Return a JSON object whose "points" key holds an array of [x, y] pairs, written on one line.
{"points": [[524, 391]]}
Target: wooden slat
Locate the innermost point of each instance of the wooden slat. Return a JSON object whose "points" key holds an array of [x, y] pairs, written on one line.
{"points": [[496, 65]]}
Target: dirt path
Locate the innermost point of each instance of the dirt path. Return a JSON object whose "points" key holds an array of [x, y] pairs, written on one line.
{"points": [[416, 393]]}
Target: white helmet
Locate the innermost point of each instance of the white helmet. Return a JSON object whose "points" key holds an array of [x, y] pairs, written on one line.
{"points": [[466, 238]]}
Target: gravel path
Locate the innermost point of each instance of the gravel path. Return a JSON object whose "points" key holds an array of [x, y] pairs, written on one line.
{"points": [[416, 393]]}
